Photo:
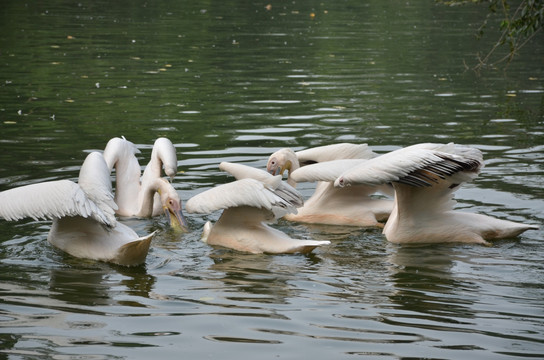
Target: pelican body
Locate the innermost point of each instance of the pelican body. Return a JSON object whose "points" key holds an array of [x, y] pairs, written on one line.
{"points": [[328, 204], [424, 177], [248, 204], [83, 215]]}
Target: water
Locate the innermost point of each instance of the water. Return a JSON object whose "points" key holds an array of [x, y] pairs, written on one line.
{"points": [[234, 82]]}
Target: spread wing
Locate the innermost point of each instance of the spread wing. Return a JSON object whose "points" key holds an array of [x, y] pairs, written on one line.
{"points": [[329, 171], [240, 171], [49, 200], [281, 188], [424, 175], [334, 152], [420, 165], [92, 197], [324, 171], [244, 192]]}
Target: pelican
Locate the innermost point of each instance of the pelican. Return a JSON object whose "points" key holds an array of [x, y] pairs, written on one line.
{"points": [[424, 177], [248, 204], [151, 194], [352, 206], [287, 159], [83, 215]]}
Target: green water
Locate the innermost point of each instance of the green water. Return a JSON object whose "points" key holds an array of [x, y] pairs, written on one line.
{"points": [[234, 81]]}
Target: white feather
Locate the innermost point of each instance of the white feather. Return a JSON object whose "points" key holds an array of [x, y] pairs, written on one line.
{"points": [[335, 152], [64, 198], [137, 195], [424, 177], [281, 188], [244, 192], [329, 205], [407, 165], [84, 224], [240, 171], [324, 171], [248, 204]]}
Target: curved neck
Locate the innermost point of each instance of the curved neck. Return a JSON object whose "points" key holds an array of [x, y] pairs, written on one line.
{"points": [[294, 164], [147, 194], [153, 168], [163, 154], [127, 179]]}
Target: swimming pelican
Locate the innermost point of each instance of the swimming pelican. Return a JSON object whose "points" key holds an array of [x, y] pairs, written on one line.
{"points": [[287, 159], [248, 204], [424, 177], [328, 204], [151, 194], [83, 215]]}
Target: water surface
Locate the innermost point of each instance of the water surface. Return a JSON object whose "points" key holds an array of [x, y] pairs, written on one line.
{"points": [[233, 81]]}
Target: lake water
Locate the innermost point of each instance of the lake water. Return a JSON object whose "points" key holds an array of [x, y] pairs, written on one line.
{"points": [[235, 81]]}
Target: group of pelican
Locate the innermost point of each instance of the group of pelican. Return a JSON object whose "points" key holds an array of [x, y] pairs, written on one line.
{"points": [[407, 192], [83, 213]]}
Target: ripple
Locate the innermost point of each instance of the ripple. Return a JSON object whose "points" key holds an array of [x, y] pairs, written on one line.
{"points": [[232, 339]]}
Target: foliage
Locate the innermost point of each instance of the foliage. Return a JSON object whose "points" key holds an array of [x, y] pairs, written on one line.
{"points": [[518, 26]]}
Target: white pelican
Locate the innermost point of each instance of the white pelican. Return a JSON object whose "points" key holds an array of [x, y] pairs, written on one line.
{"points": [[248, 204], [83, 215], [287, 159], [329, 205], [151, 194], [424, 177]]}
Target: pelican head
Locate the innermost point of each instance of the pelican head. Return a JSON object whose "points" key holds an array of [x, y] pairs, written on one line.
{"points": [[171, 205], [281, 160]]}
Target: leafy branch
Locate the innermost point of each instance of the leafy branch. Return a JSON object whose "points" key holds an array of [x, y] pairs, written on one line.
{"points": [[518, 26]]}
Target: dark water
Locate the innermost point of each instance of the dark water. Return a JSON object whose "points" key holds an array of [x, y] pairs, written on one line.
{"points": [[234, 81]]}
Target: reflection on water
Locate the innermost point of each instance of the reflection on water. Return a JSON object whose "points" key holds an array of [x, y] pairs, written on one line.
{"points": [[424, 284], [235, 83]]}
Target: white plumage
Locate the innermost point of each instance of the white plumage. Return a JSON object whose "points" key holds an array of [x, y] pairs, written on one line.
{"points": [[329, 205], [334, 152], [54, 199], [84, 223], [424, 177], [287, 159], [255, 194], [286, 191], [248, 204], [149, 194]]}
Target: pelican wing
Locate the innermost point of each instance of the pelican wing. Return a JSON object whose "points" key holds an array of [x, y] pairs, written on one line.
{"points": [[335, 152], [95, 181], [240, 171], [420, 165], [49, 200], [245, 192], [325, 171], [284, 190]]}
